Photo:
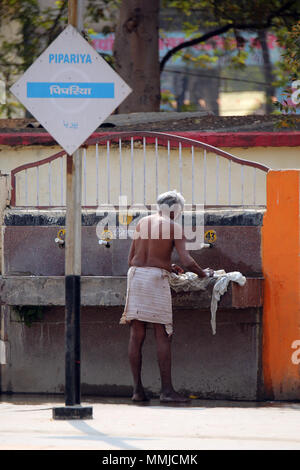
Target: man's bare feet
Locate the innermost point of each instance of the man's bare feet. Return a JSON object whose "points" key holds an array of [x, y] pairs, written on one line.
{"points": [[173, 397], [139, 395]]}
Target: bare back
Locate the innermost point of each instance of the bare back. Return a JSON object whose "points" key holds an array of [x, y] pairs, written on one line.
{"points": [[153, 243]]}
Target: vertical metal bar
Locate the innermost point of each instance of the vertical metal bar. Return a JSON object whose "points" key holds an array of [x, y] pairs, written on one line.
{"points": [[242, 183], [97, 176], [229, 182], [13, 182], [144, 147], [84, 175], [168, 165], [75, 16], [254, 186], [50, 182], [132, 170], [62, 181], [180, 168], [156, 166], [73, 214], [120, 165], [26, 188], [72, 334], [73, 257], [108, 170], [37, 186], [72, 277], [73, 267], [204, 177], [193, 175], [217, 179]]}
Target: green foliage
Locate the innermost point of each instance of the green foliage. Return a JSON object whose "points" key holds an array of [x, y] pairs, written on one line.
{"points": [[191, 107], [32, 29], [289, 76], [30, 314], [35, 28], [168, 99], [205, 18], [104, 9], [237, 12]]}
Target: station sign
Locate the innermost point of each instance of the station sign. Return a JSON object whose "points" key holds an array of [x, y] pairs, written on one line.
{"points": [[70, 89]]}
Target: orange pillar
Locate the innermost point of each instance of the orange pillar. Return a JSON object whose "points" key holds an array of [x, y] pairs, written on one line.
{"points": [[281, 269]]}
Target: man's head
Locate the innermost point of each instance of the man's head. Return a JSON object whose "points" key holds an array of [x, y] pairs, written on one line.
{"points": [[170, 204]]}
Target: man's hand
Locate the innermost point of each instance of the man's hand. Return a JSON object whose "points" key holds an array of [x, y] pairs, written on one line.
{"points": [[188, 261], [177, 269], [209, 272]]}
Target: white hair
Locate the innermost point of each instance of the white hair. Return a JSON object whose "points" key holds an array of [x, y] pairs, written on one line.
{"points": [[170, 199]]}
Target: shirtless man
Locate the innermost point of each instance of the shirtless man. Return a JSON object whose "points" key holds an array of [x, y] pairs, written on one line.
{"points": [[155, 238]]}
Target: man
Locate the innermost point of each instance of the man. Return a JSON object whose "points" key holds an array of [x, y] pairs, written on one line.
{"points": [[148, 291]]}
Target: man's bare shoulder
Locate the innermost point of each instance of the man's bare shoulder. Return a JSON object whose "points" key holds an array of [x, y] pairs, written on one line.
{"points": [[143, 225], [148, 217], [145, 219], [157, 218]]}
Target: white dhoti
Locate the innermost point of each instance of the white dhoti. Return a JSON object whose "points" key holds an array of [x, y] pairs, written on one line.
{"points": [[148, 297]]}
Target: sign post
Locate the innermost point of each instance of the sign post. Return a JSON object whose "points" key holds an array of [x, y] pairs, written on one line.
{"points": [[70, 89], [73, 270]]}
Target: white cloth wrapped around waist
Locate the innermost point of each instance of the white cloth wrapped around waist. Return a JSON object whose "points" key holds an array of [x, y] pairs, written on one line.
{"points": [[148, 297]]}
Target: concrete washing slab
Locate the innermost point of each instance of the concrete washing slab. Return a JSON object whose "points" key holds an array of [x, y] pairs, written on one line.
{"points": [[110, 291]]}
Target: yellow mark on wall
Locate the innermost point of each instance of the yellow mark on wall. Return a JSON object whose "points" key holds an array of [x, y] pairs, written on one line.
{"points": [[125, 219], [106, 235], [61, 233], [210, 236]]}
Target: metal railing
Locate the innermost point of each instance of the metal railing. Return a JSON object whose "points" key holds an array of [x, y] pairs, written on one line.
{"points": [[139, 166]]}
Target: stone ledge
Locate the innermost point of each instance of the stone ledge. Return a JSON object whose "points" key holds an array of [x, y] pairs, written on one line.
{"points": [[218, 216], [110, 291]]}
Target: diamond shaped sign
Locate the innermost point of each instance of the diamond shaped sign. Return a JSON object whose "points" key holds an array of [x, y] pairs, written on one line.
{"points": [[70, 89]]}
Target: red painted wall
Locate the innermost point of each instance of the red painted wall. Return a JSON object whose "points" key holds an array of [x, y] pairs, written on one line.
{"points": [[217, 139]]}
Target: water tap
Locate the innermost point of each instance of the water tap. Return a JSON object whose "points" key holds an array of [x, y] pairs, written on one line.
{"points": [[106, 237], [59, 240], [105, 243], [206, 245]]}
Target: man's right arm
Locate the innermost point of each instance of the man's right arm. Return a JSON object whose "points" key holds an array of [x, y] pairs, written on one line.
{"points": [[186, 259]]}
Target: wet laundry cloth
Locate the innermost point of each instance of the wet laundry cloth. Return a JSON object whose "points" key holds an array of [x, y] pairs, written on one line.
{"points": [[191, 282], [148, 297], [188, 282], [220, 288]]}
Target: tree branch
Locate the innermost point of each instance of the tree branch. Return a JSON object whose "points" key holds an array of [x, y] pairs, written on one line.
{"points": [[280, 10], [193, 42], [224, 29], [49, 34]]}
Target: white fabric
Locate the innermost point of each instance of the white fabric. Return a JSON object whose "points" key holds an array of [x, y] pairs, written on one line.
{"points": [[148, 297], [219, 289], [191, 282], [188, 282]]}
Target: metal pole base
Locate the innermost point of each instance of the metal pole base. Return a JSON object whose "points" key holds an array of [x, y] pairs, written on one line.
{"points": [[73, 412]]}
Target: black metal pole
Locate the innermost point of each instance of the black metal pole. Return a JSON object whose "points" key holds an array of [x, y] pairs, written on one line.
{"points": [[72, 340], [72, 409]]}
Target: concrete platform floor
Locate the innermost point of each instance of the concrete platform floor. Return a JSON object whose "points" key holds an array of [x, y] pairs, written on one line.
{"points": [[26, 424]]}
